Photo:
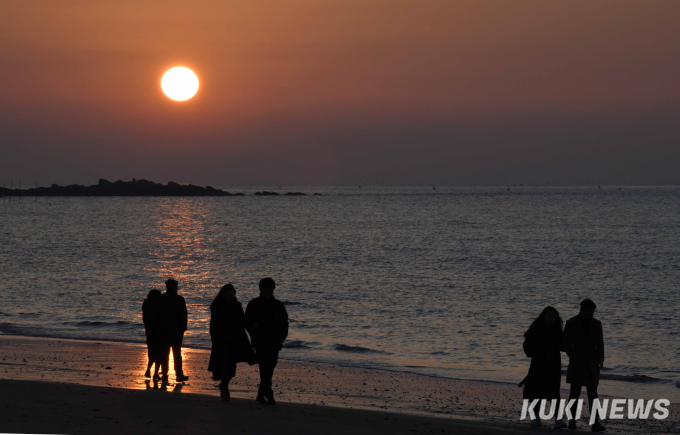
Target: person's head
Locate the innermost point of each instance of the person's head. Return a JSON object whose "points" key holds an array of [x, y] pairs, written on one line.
{"points": [[549, 318], [154, 294], [267, 286], [171, 286], [587, 309], [226, 294]]}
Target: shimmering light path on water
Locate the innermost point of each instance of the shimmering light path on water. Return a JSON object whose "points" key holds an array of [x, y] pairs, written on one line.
{"points": [[442, 282]]}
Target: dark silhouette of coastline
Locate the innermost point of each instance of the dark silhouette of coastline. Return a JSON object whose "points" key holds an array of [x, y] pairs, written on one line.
{"points": [[131, 188]]}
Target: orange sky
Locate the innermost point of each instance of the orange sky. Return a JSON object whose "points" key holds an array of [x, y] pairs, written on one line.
{"points": [[342, 91]]}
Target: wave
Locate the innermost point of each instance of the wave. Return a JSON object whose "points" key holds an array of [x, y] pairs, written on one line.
{"points": [[38, 332], [96, 323], [301, 324], [291, 303], [635, 378], [357, 349], [638, 379], [299, 344]]}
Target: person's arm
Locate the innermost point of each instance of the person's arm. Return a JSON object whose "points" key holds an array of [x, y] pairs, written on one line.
{"points": [[532, 345], [239, 316], [600, 345], [213, 326], [568, 339], [248, 318], [560, 342], [184, 316], [284, 323]]}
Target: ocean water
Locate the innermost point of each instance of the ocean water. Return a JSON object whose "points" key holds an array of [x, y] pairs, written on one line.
{"points": [[441, 282]]}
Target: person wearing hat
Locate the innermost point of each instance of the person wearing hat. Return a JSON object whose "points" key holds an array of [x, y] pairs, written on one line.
{"points": [[267, 324], [584, 344], [173, 325]]}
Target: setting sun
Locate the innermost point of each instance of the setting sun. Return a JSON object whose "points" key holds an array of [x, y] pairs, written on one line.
{"points": [[179, 83]]}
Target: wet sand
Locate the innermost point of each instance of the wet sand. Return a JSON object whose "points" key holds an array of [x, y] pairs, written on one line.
{"points": [[79, 377], [46, 407]]}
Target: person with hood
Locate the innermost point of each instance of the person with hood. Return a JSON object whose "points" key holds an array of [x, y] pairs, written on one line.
{"points": [[543, 343], [230, 342], [267, 323], [584, 344], [151, 312], [173, 325]]}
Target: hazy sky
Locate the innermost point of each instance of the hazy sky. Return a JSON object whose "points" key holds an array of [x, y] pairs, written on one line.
{"points": [[477, 92]]}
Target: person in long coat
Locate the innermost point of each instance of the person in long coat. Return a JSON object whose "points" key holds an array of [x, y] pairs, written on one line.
{"points": [[584, 343], [267, 323], [230, 342], [543, 342], [151, 312]]}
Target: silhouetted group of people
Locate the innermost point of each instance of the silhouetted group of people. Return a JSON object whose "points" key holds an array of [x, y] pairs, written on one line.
{"points": [[582, 340], [265, 320]]}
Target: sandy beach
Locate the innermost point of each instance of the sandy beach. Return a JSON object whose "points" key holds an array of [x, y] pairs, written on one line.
{"points": [[46, 407], [98, 387]]}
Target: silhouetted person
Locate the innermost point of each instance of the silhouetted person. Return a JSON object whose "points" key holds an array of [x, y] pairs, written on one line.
{"points": [[173, 324], [267, 323], [585, 346], [151, 315], [543, 342], [230, 342]]}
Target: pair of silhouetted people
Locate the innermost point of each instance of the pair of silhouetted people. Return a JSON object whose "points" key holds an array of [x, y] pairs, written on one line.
{"points": [[582, 340], [265, 319], [165, 322]]}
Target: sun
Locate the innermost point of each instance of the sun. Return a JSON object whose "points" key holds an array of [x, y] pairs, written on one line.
{"points": [[179, 83]]}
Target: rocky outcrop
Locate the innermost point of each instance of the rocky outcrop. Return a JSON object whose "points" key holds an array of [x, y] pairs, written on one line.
{"points": [[133, 188], [120, 188]]}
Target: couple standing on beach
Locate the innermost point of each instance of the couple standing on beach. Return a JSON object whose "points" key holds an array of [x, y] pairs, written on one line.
{"points": [[265, 319], [165, 322], [582, 341]]}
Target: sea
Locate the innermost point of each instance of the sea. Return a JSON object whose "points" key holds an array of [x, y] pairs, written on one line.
{"points": [[436, 280]]}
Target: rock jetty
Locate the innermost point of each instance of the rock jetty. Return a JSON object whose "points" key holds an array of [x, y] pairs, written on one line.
{"points": [[132, 188]]}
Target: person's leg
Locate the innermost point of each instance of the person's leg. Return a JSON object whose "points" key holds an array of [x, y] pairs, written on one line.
{"points": [[177, 359], [147, 374], [274, 362], [165, 363], [226, 377], [267, 362], [592, 395], [574, 393], [157, 360], [263, 363], [269, 374]]}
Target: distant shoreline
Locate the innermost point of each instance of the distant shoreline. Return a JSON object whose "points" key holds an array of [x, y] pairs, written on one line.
{"points": [[133, 188]]}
